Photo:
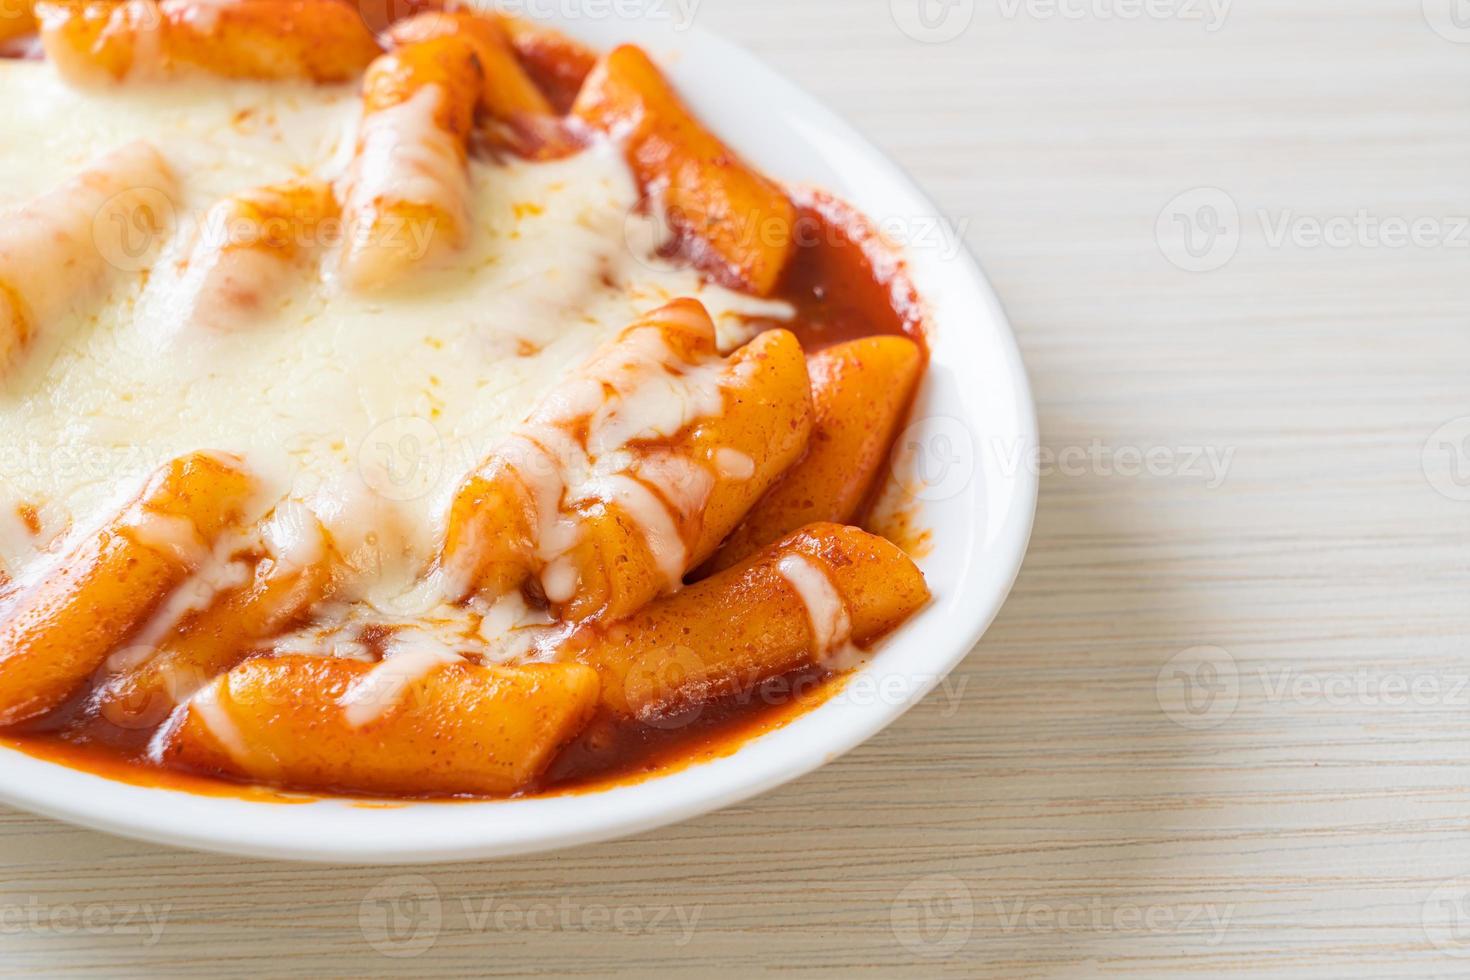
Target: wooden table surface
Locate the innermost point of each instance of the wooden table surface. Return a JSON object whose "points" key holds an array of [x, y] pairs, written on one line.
{"points": [[1222, 726]]}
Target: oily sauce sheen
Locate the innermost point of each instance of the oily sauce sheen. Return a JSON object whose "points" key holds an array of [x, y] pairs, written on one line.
{"points": [[845, 283], [844, 280]]}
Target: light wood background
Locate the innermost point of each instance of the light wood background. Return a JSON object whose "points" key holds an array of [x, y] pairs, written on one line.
{"points": [[1048, 816]]}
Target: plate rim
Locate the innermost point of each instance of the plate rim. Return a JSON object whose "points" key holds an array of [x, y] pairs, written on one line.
{"points": [[194, 821]]}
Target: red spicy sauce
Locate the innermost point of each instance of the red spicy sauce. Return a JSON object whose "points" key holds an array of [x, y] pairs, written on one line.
{"points": [[604, 757], [845, 283], [844, 280]]}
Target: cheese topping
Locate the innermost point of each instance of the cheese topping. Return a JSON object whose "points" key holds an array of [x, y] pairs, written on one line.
{"points": [[379, 405], [577, 448], [652, 515], [294, 536], [242, 262], [826, 612], [169, 535], [207, 708], [410, 658], [219, 573], [733, 464], [406, 193], [59, 247]]}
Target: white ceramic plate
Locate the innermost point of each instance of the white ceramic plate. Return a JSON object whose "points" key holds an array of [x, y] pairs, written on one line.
{"points": [[974, 426]]}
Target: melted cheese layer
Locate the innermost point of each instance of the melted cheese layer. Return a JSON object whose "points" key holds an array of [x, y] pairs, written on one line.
{"points": [[399, 394]]}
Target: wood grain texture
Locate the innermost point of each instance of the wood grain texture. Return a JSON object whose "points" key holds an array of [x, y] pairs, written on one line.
{"points": [[1045, 816]]}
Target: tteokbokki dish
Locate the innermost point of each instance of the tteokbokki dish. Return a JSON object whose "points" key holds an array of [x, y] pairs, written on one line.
{"points": [[428, 408]]}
